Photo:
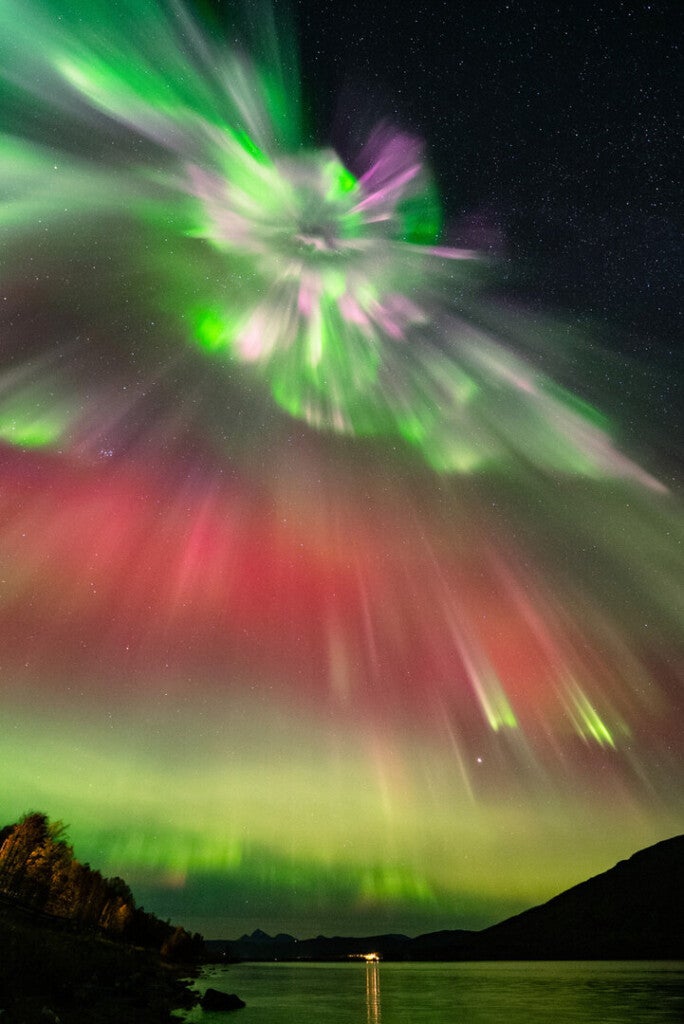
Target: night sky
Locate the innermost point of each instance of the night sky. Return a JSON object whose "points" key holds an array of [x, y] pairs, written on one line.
{"points": [[340, 473]]}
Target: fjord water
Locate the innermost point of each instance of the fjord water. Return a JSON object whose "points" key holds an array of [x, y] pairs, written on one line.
{"points": [[567, 992]]}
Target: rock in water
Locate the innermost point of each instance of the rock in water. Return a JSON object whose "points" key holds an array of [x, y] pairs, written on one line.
{"points": [[215, 1000]]}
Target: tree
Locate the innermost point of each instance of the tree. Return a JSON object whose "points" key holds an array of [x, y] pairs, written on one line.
{"points": [[38, 867]]}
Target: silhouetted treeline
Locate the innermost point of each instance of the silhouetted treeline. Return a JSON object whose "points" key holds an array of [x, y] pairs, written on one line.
{"points": [[38, 869]]}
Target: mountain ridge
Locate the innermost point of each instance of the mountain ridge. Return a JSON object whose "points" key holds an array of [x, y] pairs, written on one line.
{"points": [[633, 910]]}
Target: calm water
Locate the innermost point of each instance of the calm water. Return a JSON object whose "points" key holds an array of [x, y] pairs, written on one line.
{"points": [[473, 993]]}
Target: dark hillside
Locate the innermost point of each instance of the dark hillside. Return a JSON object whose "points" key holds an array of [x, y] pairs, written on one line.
{"points": [[50, 970], [633, 911]]}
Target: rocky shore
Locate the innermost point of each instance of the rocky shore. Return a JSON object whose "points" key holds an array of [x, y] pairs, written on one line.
{"points": [[51, 972]]}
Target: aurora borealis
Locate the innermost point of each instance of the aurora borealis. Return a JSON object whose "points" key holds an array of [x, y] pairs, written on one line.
{"points": [[338, 590]]}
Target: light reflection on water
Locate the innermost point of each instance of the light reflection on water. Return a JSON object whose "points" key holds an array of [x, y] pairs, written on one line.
{"points": [[459, 993], [373, 993]]}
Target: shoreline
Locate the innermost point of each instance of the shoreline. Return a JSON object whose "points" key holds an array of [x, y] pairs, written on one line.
{"points": [[50, 972]]}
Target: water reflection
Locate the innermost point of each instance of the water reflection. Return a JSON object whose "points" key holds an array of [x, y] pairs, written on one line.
{"points": [[373, 1010], [570, 992]]}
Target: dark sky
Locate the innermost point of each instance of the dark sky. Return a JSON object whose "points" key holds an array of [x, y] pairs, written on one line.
{"points": [[557, 121]]}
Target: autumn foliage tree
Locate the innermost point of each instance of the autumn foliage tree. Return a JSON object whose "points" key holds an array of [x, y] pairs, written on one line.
{"points": [[31, 854], [38, 869]]}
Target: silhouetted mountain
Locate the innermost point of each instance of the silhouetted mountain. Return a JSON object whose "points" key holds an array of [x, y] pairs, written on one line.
{"points": [[633, 911], [259, 946]]}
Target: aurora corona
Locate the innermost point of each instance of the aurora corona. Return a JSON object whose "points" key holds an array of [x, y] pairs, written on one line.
{"points": [[325, 580], [330, 283]]}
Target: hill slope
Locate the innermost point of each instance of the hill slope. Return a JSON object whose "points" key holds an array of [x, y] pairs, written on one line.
{"points": [[634, 910]]}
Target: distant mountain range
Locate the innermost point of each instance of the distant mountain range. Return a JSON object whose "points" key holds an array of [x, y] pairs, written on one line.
{"points": [[633, 911]]}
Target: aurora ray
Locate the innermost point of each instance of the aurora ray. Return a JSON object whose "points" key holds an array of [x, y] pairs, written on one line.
{"points": [[328, 283]]}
